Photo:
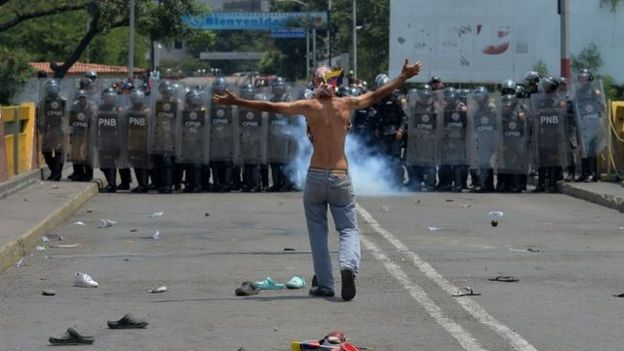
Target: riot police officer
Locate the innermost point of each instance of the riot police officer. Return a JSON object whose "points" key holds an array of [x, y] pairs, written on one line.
{"points": [[279, 138], [391, 124], [52, 123], [453, 170], [483, 117], [252, 141], [81, 116], [422, 131], [223, 137]]}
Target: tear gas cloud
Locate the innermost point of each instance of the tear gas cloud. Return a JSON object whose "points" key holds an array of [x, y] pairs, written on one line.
{"points": [[369, 172]]}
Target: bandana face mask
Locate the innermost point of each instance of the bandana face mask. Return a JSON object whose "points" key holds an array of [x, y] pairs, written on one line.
{"points": [[326, 84]]}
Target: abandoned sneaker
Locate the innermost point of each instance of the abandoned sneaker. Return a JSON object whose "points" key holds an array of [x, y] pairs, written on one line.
{"points": [[83, 280], [348, 284]]}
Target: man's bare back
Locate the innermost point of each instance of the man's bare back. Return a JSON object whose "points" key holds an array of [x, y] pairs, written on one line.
{"points": [[328, 117]]}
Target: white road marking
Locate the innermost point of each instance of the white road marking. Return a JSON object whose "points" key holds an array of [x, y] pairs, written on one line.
{"points": [[478, 312]]}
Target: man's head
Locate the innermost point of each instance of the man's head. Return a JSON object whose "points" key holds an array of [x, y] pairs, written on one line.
{"points": [[436, 83], [278, 86], [52, 89], [324, 81], [219, 85], [585, 76], [91, 75], [137, 97]]}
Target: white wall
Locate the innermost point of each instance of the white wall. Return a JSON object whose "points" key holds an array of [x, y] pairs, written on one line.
{"points": [[452, 37]]}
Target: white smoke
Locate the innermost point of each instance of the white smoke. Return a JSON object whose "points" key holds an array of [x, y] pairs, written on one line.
{"points": [[371, 174]]}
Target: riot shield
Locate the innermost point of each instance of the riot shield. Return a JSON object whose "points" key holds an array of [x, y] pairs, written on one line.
{"points": [[513, 151], [52, 118], [81, 119], [278, 134], [223, 133], [422, 130], [483, 115], [167, 107], [591, 121], [139, 124], [452, 141], [192, 133], [548, 130], [109, 127], [253, 135]]}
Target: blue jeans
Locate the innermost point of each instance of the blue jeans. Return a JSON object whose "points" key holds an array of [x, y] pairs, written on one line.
{"points": [[331, 188]]}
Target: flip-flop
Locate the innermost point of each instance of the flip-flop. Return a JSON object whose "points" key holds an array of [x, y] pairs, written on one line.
{"points": [[466, 291], [71, 337], [504, 279], [619, 295], [296, 282], [246, 289], [128, 322], [269, 284]]}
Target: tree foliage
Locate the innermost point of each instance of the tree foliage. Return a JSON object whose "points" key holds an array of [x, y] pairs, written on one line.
{"points": [[612, 4], [588, 58], [14, 72]]}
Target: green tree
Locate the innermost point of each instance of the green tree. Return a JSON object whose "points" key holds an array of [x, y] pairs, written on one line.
{"points": [[541, 68], [14, 71], [613, 4], [588, 58]]}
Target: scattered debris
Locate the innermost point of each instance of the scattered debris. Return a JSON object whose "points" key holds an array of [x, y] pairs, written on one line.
{"points": [[126, 260], [281, 203], [40, 248], [207, 214], [619, 295], [54, 187], [450, 200], [275, 329], [89, 210], [105, 223], [158, 290], [385, 208], [80, 223], [247, 288], [71, 337], [128, 322], [48, 292], [466, 291], [289, 249], [504, 279], [156, 235], [83, 280], [67, 246], [467, 205], [494, 223], [133, 230], [435, 229], [530, 249], [51, 237], [20, 263], [156, 215], [621, 228], [494, 217]]}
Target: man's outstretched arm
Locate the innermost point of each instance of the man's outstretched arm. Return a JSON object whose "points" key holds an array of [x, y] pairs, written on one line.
{"points": [[299, 107], [371, 97]]}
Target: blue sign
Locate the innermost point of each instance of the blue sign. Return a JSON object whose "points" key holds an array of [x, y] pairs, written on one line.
{"points": [[288, 33], [257, 20]]}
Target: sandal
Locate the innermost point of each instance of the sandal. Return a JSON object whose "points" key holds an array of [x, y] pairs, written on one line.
{"points": [[246, 289], [504, 279], [296, 282], [71, 337], [466, 291], [269, 284], [128, 322]]}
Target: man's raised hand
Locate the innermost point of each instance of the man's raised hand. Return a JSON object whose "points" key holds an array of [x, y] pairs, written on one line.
{"points": [[411, 70], [227, 99]]}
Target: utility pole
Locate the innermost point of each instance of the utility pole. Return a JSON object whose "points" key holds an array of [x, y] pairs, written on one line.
{"points": [[131, 40], [354, 40], [564, 14], [329, 52]]}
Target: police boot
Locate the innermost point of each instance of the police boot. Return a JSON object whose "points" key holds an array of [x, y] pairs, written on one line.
{"points": [[126, 179], [58, 168], [141, 176], [570, 176], [584, 170], [446, 175], [592, 175], [111, 178], [193, 175], [88, 173], [552, 186], [458, 179], [541, 181]]}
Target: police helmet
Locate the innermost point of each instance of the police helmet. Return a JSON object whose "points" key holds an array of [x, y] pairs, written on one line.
{"points": [[532, 77], [480, 94], [521, 92], [219, 85], [165, 88], [248, 92], [380, 80], [549, 84], [137, 97], [109, 96], [91, 75], [508, 86], [424, 94], [192, 98], [585, 75], [278, 86], [52, 88], [450, 94]]}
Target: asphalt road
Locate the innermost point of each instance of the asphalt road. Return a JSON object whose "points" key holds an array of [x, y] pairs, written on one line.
{"points": [[210, 243]]}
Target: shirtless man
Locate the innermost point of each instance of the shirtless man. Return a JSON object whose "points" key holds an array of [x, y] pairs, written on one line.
{"points": [[328, 181]]}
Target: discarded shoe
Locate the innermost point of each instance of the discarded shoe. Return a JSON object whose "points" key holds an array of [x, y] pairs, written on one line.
{"points": [[504, 279], [269, 284], [71, 337], [348, 284], [466, 291], [48, 292], [83, 280], [158, 290], [296, 282], [128, 322], [247, 289]]}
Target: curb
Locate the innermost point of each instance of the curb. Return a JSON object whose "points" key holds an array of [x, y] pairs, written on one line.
{"points": [[16, 249], [19, 182], [606, 200]]}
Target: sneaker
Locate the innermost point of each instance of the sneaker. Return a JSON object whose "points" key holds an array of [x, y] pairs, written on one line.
{"points": [[348, 284], [83, 280], [296, 282]]}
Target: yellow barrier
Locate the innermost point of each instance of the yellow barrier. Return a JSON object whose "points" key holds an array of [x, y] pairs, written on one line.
{"points": [[19, 135], [613, 161]]}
